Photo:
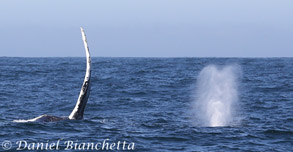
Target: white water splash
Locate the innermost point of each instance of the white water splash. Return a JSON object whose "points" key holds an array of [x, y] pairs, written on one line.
{"points": [[216, 95]]}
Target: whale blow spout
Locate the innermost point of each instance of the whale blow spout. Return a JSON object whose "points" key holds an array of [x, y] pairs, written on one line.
{"points": [[77, 112], [217, 95]]}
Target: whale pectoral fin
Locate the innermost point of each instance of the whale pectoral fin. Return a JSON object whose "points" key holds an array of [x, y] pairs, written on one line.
{"points": [[77, 112]]}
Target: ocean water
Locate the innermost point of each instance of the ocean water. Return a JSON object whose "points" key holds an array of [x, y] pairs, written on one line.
{"points": [[246, 104]]}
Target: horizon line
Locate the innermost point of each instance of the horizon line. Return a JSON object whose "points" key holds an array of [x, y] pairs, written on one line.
{"points": [[147, 57]]}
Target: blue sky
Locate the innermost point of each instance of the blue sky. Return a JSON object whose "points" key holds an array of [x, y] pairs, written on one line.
{"points": [[147, 28]]}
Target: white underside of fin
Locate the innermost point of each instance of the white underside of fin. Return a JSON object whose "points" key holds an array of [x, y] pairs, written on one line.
{"points": [[77, 107]]}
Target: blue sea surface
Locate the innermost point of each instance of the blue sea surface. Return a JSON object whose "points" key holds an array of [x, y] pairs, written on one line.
{"points": [[146, 101]]}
